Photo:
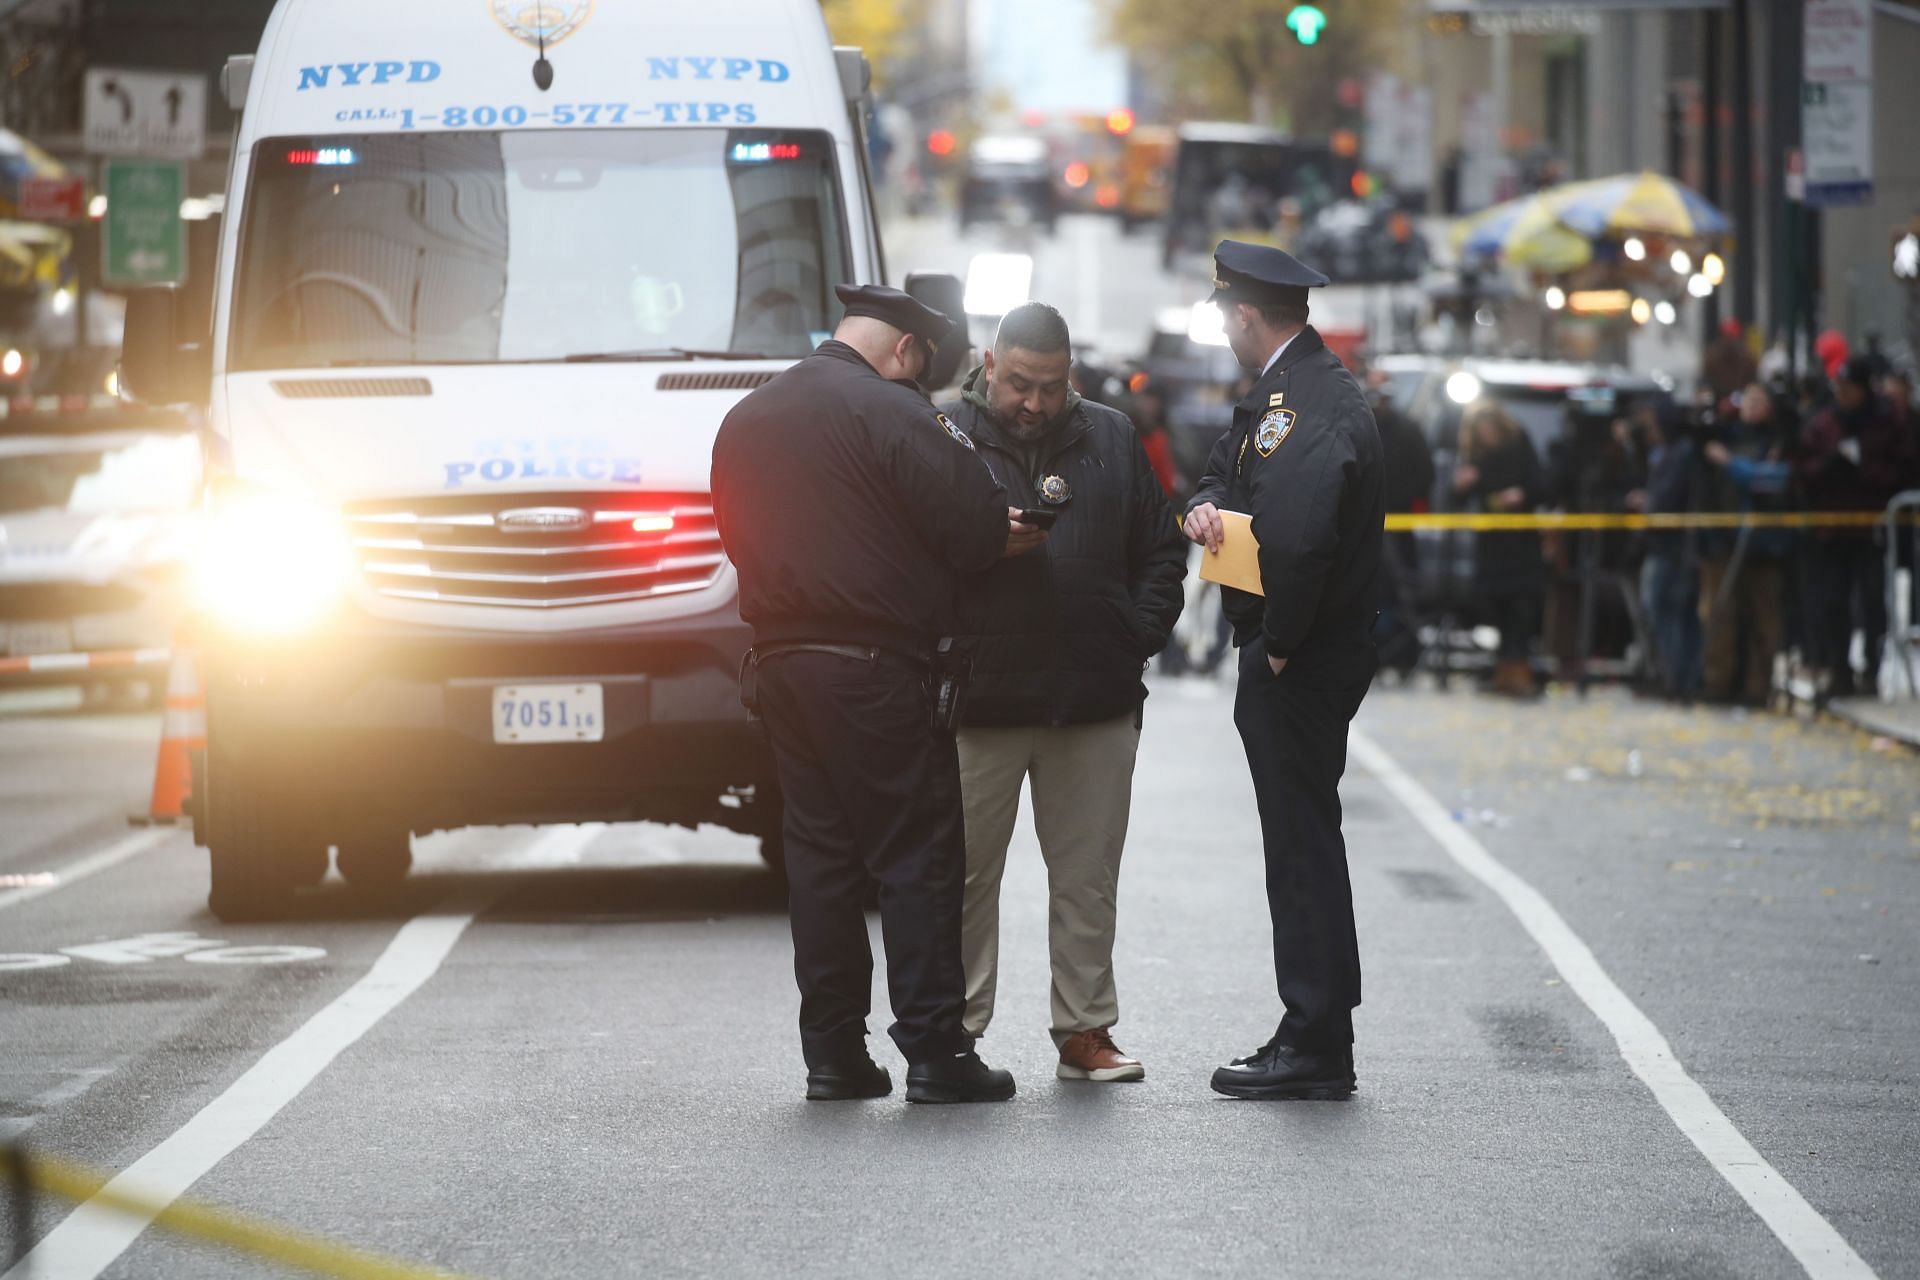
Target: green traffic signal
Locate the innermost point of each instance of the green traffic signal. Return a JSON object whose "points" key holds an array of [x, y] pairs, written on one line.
{"points": [[1306, 22]]}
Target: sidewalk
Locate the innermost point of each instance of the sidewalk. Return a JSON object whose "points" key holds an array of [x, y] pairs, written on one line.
{"points": [[1899, 720]]}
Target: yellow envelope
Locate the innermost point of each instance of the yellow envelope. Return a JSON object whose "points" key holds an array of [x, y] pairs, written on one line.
{"points": [[1237, 562]]}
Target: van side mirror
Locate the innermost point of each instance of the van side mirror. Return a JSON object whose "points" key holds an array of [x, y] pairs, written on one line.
{"points": [[155, 366], [944, 294]]}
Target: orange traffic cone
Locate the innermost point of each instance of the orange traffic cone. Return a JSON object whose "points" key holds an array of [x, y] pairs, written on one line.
{"points": [[183, 730]]}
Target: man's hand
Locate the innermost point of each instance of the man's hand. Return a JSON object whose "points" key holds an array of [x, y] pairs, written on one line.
{"points": [[1021, 538], [1277, 664], [1717, 453], [1510, 499], [1465, 476], [1204, 526]]}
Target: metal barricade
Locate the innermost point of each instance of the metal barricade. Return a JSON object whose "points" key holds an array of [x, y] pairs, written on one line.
{"points": [[1902, 531]]}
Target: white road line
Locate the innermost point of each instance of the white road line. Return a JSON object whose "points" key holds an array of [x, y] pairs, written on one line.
{"points": [[88, 1241], [79, 869], [1821, 1251]]}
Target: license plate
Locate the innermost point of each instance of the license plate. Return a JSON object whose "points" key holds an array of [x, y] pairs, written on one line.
{"points": [[548, 713], [31, 639]]}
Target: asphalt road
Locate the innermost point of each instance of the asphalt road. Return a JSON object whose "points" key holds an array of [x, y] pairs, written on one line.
{"points": [[602, 1078]]}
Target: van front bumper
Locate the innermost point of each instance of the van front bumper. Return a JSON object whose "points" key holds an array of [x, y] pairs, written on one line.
{"points": [[370, 721]]}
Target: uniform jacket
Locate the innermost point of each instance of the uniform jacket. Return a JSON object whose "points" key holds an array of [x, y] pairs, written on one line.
{"points": [[1303, 458], [850, 507], [1062, 634]]}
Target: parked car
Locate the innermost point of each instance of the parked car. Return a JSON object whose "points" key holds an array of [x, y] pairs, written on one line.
{"points": [[96, 519]]}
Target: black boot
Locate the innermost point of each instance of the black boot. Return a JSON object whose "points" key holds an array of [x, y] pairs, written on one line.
{"points": [[961, 1078], [1279, 1071], [846, 1081]]}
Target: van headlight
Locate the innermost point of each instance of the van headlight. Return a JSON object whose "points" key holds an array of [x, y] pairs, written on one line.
{"points": [[270, 563]]}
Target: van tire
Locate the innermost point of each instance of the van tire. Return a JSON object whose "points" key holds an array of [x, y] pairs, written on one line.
{"points": [[254, 844]]}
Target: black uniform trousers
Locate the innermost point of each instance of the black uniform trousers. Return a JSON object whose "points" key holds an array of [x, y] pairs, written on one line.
{"points": [[1294, 728], [870, 788]]}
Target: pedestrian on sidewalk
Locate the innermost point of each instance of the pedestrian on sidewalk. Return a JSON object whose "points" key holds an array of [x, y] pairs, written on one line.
{"points": [[1499, 473], [1060, 639], [1853, 459], [1303, 458], [1669, 575], [1743, 572]]}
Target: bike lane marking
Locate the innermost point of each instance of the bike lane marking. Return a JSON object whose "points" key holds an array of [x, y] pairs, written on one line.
{"points": [[1822, 1252], [94, 1235]]}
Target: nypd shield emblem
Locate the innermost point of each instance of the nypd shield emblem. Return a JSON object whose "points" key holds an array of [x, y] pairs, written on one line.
{"points": [[946, 424], [1054, 490], [1273, 431], [538, 22]]}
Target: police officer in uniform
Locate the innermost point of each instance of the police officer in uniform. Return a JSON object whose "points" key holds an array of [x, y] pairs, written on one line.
{"points": [[1303, 458], [850, 508]]}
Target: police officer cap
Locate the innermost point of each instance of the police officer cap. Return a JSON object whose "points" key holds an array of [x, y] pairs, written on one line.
{"points": [[901, 310], [1261, 275]]}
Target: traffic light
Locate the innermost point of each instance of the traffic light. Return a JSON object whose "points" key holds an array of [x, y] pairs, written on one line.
{"points": [[1306, 22]]}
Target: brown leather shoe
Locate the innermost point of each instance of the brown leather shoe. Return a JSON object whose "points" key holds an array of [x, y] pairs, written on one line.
{"points": [[1090, 1055]]}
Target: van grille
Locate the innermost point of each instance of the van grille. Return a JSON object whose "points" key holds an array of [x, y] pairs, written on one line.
{"points": [[538, 551], [351, 388], [728, 380]]}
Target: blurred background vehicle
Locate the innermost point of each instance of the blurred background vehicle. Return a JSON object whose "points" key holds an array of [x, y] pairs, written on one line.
{"points": [[1008, 179], [1246, 183], [1363, 242], [97, 512]]}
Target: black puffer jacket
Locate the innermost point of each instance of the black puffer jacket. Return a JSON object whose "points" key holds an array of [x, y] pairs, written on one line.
{"points": [[1061, 635]]}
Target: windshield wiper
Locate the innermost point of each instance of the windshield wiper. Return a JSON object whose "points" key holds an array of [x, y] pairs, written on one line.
{"points": [[665, 353]]}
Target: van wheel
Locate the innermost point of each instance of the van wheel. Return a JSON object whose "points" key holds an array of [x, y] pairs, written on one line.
{"points": [[376, 860], [257, 849]]}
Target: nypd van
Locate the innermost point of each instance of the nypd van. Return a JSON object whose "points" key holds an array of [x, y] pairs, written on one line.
{"points": [[491, 274]]}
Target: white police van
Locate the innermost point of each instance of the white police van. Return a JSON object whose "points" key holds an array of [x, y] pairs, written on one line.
{"points": [[492, 273]]}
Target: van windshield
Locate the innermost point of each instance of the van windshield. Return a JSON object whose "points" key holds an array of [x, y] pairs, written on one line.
{"points": [[482, 248]]}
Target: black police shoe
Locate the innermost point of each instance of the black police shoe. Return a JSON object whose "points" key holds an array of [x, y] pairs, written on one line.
{"points": [[1279, 1071], [846, 1081], [960, 1078]]}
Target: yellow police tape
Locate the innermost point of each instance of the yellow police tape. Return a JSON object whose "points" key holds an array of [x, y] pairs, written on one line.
{"points": [[250, 1235], [1401, 523]]}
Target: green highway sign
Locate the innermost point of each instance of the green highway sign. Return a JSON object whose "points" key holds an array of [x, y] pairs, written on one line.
{"points": [[144, 241]]}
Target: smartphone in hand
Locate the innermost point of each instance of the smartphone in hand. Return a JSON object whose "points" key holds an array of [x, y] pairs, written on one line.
{"points": [[1037, 519]]}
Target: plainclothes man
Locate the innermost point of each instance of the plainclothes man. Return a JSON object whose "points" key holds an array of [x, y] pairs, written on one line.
{"points": [[1060, 639], [1303, 458], [850, 508]]}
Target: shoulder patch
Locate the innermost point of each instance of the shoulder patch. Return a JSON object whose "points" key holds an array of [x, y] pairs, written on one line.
{"points": [[1273, 431], [946, 424]]}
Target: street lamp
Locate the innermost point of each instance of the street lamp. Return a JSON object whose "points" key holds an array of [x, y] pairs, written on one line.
{"points": [[1700, 287], [1556, 297], [1635, 248], [1682, 262]]}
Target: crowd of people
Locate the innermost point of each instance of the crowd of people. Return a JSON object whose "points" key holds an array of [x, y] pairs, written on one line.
{"points": [[1712, 606]]}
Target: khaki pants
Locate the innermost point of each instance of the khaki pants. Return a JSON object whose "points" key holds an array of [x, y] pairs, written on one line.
{"points": [[1082, 795], [1742, 639]]}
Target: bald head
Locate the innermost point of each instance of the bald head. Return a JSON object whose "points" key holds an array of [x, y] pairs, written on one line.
{"points": [[893, 352]]}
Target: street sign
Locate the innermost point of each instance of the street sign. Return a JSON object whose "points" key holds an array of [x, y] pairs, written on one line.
{"points": [[1836, 128], [1836, 103], [144, 241], [52, 200], [144, 113]]}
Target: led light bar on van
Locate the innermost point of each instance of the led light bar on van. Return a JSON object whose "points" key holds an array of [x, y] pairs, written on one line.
{"points": [[324, 155], [761, 152]]}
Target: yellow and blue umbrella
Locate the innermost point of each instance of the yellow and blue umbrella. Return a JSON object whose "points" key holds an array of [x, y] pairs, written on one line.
{"points": [[1635, 204], [1526, 233]]}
